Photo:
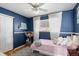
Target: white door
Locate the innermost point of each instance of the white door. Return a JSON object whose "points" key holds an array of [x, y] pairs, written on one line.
{"points": [[6, 33]]}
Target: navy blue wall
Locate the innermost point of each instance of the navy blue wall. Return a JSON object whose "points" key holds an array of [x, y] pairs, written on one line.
{"points": [[20, 38], [67, 24], [67, 21], [30, 24], [76, 25]]}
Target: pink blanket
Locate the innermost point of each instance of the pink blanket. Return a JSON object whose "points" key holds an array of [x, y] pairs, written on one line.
{"points": [[50, 49]]}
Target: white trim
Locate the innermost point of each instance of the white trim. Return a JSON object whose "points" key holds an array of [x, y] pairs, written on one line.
{"points": [[67, 33], [21, 32], [53, 32]]}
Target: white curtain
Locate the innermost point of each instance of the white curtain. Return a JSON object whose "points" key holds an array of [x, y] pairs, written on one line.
{"points": [[55, 24], [6, 32], [36, 21]]}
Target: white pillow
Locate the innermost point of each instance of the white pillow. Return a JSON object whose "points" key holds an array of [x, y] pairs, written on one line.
{"points": [[60, 39], [63, 41], [75, 39], [37, 43], [69, 43]]}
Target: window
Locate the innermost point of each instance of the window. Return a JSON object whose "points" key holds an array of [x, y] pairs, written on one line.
{"points": [[78, 15], [44, 25]]}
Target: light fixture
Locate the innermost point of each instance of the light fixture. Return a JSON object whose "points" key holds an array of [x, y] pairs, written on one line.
{"points": [[35, 11], [36, 7]]}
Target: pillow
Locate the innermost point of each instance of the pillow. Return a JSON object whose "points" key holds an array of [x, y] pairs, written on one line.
{"points": [[75, 39], [69, 42], [73, 43], [37, 43], [54, 41], [62, 41], [59, 40], [55, 36]]}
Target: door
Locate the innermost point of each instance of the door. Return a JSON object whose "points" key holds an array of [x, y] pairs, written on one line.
{"points": [[6, 33]]}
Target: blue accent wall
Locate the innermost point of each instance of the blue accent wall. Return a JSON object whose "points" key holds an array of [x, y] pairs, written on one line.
{"points": [[67, 24], [30, 24], [67, 21], [19, 38], [76, 25]]}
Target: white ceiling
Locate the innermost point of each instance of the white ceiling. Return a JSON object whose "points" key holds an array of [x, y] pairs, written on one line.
{"points": [[25, 9]]}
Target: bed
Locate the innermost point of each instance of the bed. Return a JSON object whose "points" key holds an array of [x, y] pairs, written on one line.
{"points": [[48, 48]]}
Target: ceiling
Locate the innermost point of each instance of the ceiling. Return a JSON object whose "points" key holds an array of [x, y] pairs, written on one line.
{"points": [[26, 10]]}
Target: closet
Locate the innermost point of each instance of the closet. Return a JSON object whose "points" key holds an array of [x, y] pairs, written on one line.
{"points": [[6, 32]]}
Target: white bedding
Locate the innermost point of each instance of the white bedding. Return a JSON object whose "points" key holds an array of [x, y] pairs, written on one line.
{"points": [[47, 47]]}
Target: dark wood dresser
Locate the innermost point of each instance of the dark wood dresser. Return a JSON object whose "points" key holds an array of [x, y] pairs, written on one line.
{"points": [[73, 52]]}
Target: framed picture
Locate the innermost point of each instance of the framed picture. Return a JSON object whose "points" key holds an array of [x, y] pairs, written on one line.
{"points": [[22, 26]]}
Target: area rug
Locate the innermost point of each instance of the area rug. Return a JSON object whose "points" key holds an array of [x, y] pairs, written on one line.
{"points": [[27, 52]]}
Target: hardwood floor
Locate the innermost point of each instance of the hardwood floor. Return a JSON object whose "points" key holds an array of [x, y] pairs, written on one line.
{"points": [[13, 51]]}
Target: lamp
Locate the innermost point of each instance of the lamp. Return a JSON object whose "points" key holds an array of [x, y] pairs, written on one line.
{"points": [[36, 7]]}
